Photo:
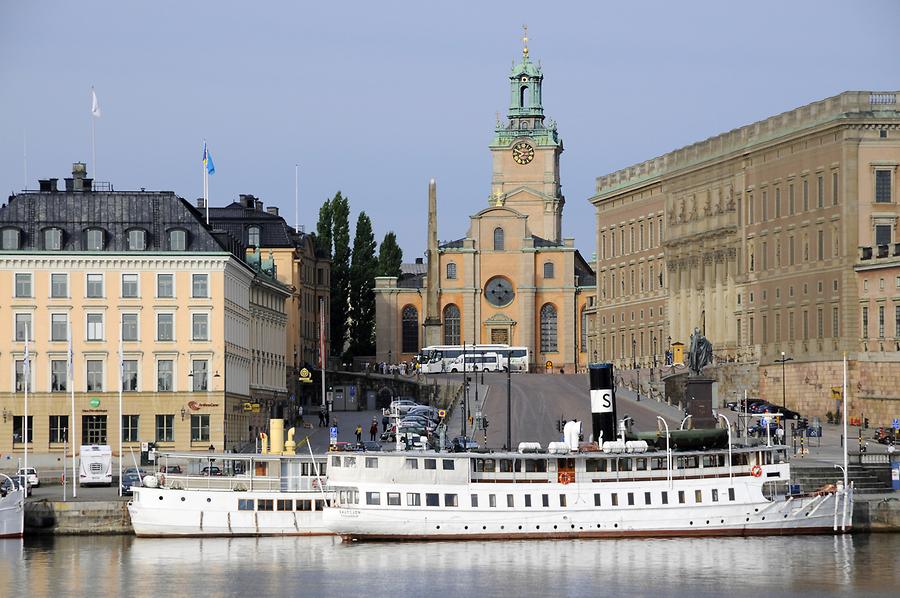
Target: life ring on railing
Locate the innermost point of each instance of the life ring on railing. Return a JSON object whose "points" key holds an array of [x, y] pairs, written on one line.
{"points": [[756, 471], [566, 477], [162, 479]]}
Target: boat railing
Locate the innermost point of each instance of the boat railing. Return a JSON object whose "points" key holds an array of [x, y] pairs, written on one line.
{"points": [[237, 483]]}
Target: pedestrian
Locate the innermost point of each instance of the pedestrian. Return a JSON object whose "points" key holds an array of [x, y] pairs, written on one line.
{"points": [[322, 416], [384, 423], [300, 413], [373, 429], [779, 435], [891, 448], [358, 433], [333, 422]]}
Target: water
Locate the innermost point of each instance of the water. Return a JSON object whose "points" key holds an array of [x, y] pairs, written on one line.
{"points": [[275, 567]]}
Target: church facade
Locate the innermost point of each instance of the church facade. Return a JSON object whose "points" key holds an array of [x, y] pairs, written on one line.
{"points": [[513, 278]]}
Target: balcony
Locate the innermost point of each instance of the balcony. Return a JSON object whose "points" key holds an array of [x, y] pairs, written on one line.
{"points": [[879, 251]]}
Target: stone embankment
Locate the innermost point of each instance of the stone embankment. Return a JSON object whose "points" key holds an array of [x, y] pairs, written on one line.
{"points": [[54, 517]]}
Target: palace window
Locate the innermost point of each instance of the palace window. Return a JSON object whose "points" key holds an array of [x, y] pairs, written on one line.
{"points": [[451, 271], [165, 375], [451, 325], [130, 428], [94, 379], [200, 285], [137, 239], [548, 328], [59, 429], [59, 375], [94, 239], [11, 238], [410, 329], [165, 432], [129, 327], [59, 286], [129, 286], [53, 239], [548, 269], [129, 375], [882, 186], [23, 285], [498, 239], [177, 240]]}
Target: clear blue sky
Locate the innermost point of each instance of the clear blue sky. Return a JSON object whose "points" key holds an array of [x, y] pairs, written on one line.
{"points": [[374, 98]]}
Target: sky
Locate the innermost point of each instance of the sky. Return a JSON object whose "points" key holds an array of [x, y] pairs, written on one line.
{"points": [[375, 98]]}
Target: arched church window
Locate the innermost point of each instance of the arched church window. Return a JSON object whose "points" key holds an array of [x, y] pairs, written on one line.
{"points": [[548, 328], [410, 330], [548, 269], [498, 239], [451, 325], [451, 270], [524, 97]]}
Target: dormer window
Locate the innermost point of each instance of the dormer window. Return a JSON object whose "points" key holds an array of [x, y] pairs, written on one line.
{"points": [[253, 236], [53, 239], [11, 238], [177, 239], [94, 239], [137, 239]]}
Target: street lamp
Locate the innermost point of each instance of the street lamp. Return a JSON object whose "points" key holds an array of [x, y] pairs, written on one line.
{"points": [[686, 417], [728, 427], [668, 451], [633, 353], [782, 361]]}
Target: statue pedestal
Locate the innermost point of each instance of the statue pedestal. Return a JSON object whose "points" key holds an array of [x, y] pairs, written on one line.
{"points": [[699, 395]]}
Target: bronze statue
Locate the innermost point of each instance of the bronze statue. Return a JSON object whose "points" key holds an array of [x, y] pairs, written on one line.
{"points": [[701, 352]]}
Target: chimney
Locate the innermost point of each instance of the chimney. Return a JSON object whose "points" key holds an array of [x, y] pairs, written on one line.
{"points": [[48, 185], [79, 170], [246, 201], [201, 203], [259, 205], [273, 210], [419, 261]]}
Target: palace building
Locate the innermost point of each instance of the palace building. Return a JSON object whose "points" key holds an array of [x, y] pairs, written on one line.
{"points": [[513, 278], [778, 240]]}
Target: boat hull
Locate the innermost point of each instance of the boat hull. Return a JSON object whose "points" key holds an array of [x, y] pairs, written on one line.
{"points": [[12, 514]]}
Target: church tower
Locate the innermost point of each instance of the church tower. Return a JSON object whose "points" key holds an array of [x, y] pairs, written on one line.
{"points": [[525, 152]]}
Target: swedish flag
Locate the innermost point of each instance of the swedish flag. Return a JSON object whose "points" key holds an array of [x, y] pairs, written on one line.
{"points": [[208, 161]]}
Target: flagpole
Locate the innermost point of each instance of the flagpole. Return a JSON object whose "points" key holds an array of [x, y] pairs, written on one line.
{"points": [[206, 180], [72, 428], [26, 373], [25, 156], [296, 197], [121, 384]]}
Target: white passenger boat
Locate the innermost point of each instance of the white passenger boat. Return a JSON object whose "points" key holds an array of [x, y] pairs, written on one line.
{"points": [[12, 508], [232, 495]]}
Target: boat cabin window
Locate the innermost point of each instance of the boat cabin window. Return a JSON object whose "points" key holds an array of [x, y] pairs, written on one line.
{"points": [[614, 499], [411, 464], [373, 498], [646, 498], [432, 500], [545, 500], [595, 464], [698, 496], [448, 464], [349, 461], [681, 497], [393, 499], [430, 463], [335, 461], [597, 499], [510, 501], [492, 500], [474, 501], [527, 500], [371, 462], [565, 465], [641, 463], [413, 499], [740, 459], [536, 465], [562, 500], [713, 460], [665, 497], [284, 505], [320, 505], [305, 505], [631, 499], [687, 462], [265, 504], [506, 465], [623, 464], [245, 504], [657, 463], [731, 494], [715, 495], [450, 500]]}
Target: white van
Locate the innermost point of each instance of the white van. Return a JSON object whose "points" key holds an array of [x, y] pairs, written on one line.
{"points": [[95, 464], [478, 362]]}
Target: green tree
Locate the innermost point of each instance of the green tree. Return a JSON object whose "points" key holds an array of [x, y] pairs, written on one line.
{"points": [[340, 271], [363, 270], [323, 228], [390, 256]]}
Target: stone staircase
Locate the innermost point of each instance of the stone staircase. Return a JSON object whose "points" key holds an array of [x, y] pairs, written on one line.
{"points": [[866, 479]]}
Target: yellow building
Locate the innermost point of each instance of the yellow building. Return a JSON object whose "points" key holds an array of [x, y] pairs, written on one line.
{"points": [[197, 324], [513, 279]]}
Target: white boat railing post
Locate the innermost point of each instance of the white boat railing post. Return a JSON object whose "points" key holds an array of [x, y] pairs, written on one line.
{"points": [[728, 427], [686, 417], [668, 451], [844, 419], [315, 468]]}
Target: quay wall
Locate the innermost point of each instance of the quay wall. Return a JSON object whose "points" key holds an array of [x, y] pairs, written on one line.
{"points": [[53, 517]]}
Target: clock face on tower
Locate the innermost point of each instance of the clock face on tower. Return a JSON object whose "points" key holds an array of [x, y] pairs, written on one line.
{"points": [[522, 153], [499, 291]]}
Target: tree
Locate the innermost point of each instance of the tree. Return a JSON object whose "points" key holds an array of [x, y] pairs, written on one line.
{"points": [[340, 271], [390, 256], [363, 270], [323, 229]]}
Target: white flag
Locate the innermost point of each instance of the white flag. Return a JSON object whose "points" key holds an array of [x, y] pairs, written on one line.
{"points": [[95, 105]]}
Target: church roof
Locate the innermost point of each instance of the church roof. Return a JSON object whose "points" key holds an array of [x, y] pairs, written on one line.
{"points": [[525, 67], [457, 244]]}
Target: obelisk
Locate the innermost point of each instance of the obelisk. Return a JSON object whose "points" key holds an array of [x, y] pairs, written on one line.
{"points": [[433, 276]]}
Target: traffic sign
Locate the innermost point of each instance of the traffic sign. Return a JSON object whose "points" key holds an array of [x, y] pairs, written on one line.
{"points": [[305, 375], [442, 414], [333, 434], [896, 423]]}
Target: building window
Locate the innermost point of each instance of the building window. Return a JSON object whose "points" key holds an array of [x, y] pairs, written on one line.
{"points": [[451, 271], [53, 239], [165, 286], [94, 239], [165, 327], [165, 428], [865, 322], [880, 321], [200, 375], [177, 240], [137, 239], [23, 328], [820, 323], [791, 199], [59, 375], [897, 321], [19, 432], [778, 202], [548, 328], [23, 285], [498, 239], [820, 192], [94, 375], [11, 238], [451, 325], [584, 329], [59, 286], [129, 375], [410, 329], [130, 327], [765, 206], [882, 234], [200, 285], [883, 186], [165, 374], [94, 327], [200, 327], [93, 429], [548, 269], [253, 236], [59, 327], [59, 429], [129, 286], [835, 331], [805, 195], [200, 428], [130, 428], [20, 376], [94, 286]]}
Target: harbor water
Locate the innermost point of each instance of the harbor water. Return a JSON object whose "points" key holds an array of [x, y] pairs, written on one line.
{"points": [[861, 565]]}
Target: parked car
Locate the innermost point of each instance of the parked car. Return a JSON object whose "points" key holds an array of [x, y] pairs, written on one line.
{"points": [[419, 420], [135, 470], [759, 429], [402, 406], [211, 470], [343, 446], [425, 411], [461, 444], [368, 445], [176, 469], [129, 480], [33, 479]]}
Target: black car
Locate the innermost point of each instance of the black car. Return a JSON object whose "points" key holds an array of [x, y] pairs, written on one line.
{"points": [[130, 479], [211, 470], [368, 445], [461, 444]]}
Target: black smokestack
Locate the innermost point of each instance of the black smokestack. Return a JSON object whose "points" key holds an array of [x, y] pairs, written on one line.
{"points": [[603, 402]]}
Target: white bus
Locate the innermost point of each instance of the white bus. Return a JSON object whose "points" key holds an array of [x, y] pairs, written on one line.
{"points": [[437, 358], [478, 362], [96, 465]]}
